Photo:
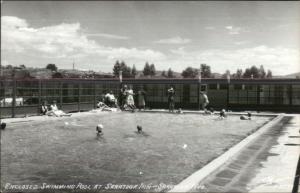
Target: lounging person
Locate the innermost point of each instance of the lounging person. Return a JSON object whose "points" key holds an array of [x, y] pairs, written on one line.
{"points": [[110, 100], [171, 99], [244, 117], [44, 108], [141, 99], [205, 100], [211, 111], [54, 111]]}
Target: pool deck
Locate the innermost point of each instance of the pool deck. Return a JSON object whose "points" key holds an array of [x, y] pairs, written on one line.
{"points": [[265, 161]]}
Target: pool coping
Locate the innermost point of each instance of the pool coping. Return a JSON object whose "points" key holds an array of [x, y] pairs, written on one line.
{"points": [[194, 179], [95, 111]]}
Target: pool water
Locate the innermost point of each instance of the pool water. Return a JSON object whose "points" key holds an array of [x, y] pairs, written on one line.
{"points": [[68, 150]]}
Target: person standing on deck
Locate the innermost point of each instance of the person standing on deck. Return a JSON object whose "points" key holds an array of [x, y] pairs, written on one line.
{"points": [[130, 99], [141, 99], [205, 100], [123, 96], [171, 99]]}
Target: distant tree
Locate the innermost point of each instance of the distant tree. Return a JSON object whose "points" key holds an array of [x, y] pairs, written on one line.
{"points": [[133, 71], [57, 75], [226, 74], [126, 70], [116, 68], [238, 74], [205, 71], [261, 72], [249, 72], [52, 67], [269, 74], [22, 66], [163, 73], [147, 70], [170, 73], [9, 66], [152, 70], [189, 72]]}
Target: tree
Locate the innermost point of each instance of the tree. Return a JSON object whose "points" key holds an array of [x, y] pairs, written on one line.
{"points": [[152, 70], [126, 70], [269, 74], [261, 72], [253, 71], [189, 72], [205, 71], [22, 66], [163, 73], [57, 75], [238, 74], [133, 71], [147, 70], [170, 73], [52, 67], [116, 68], [226, 74]]}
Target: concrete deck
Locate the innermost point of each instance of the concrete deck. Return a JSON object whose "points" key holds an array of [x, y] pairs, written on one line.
{"points": [[267, 164]]}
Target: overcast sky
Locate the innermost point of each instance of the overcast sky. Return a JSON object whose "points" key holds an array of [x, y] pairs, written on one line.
{"points": [[222, 34]]}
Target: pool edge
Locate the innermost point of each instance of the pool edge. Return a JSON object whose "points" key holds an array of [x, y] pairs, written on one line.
{"points": [[194, 179]]}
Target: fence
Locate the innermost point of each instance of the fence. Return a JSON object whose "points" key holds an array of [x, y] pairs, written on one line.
{"points": [[24, 97]]}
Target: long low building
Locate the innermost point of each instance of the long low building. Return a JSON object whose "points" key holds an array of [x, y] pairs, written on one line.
{"points": [[281, 95]]}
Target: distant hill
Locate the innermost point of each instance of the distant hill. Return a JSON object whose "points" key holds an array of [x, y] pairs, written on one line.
{"points": [[293, 75]]}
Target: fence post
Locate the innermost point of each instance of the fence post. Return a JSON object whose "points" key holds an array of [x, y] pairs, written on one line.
{"points": [[14, 98], [79, 96], [40, 95], [94, 94], [60, 93]]}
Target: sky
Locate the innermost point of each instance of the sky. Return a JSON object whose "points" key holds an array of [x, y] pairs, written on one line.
{"points": [[170, 34]]}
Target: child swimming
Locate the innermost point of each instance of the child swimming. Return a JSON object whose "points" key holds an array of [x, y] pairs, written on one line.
{"points": [[99, 129]]}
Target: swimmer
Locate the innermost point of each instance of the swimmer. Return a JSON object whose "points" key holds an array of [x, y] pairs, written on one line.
{"points": [[2, 125], [139, 128], [248, 117], [99, 129], [223, 114]]}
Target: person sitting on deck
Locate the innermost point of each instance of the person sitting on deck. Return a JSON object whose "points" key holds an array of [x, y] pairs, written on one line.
{"points": [[110, 100], [54, 111], [248, 117], [44, 108], [223, 114]]}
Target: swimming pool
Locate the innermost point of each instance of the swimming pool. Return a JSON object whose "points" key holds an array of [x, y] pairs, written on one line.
{"points": [[68, 151]]}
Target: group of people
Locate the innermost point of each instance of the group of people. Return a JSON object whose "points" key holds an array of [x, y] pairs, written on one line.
{"points": [[52, 110], [126, 100]]}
